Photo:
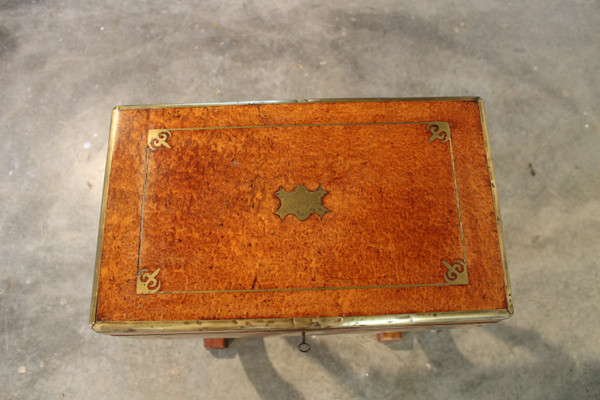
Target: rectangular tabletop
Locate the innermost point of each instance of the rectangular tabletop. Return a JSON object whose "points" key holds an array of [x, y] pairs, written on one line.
{"points": [[302, 215]]}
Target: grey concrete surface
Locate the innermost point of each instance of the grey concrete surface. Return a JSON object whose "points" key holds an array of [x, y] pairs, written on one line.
{"points": [[65, 64]]}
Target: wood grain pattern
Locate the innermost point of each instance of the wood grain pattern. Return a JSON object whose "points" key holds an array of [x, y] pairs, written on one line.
{"points": [[209, 222]]}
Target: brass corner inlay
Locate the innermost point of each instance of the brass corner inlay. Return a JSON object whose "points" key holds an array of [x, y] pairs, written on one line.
{"points": [[439, 130], [157, 138], [147, 282], [457, 273], [301, 202]]}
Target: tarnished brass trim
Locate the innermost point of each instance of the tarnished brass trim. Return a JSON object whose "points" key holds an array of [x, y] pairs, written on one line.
{"points": [[147, 282], [509, 302], [109, 154], [439, 130], [457, 273], [245, 327], [296, 101], [301, 202], [157, 138]]}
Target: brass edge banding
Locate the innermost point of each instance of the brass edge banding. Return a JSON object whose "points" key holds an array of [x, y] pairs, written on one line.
{"points": [[109, 153], [297, 101], [509, 303], [275, 325]]}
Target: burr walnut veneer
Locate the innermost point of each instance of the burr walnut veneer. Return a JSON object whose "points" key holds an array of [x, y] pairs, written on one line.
{"points": [[257, 218]]}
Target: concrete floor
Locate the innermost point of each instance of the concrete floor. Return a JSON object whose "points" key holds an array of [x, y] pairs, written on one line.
{"points": [[64, 65]]}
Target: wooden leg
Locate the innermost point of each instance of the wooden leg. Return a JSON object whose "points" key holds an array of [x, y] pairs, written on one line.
{"points": [[389, 336], [217, 343]]}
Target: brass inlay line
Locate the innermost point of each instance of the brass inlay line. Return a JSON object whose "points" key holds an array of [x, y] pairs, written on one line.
{"points": [[312, 288], [460, 225], [457, 273], [305, 125], [142, 216]]}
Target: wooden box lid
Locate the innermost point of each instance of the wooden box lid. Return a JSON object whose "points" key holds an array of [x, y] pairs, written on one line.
{"points": [[231, 219]]}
